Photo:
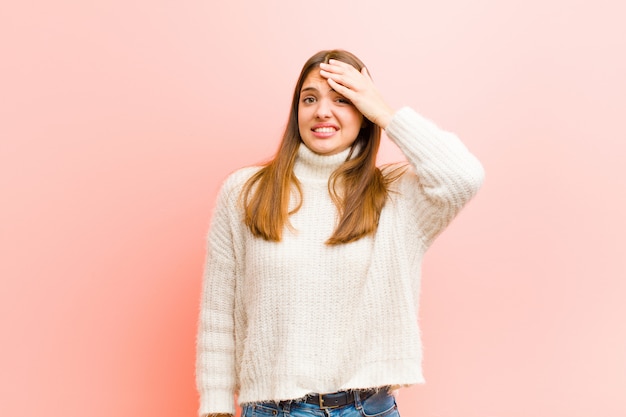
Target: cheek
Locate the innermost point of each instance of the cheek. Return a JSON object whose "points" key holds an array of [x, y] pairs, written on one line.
{"points": [[300, 119], [303, 115], [357, 120], [352, 113]]}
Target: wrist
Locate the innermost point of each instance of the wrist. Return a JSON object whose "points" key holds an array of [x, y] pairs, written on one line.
{"points": [[385, 118]]}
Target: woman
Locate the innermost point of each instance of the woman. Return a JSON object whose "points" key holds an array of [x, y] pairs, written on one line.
{"points": [[312, 277]]}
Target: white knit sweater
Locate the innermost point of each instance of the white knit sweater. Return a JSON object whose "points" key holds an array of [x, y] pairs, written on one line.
{"points": [[280, 320]]}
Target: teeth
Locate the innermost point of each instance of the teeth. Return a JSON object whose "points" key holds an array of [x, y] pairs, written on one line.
{"points": [[325, 129]]}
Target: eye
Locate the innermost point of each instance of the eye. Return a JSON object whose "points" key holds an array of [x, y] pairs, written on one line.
{"points": [[343, 100], [308, 100]]}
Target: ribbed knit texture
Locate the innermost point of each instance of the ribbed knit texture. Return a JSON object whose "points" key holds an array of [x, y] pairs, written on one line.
{"points": [[280, 320]]}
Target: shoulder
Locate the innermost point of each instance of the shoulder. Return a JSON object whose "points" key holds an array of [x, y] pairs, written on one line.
{"points": [[237, 179], [233, 184]]}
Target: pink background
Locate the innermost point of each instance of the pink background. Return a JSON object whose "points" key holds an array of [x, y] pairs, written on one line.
{"points": [[119, 119]]}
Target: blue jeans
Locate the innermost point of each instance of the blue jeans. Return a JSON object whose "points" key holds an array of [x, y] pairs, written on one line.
{"points": [[381, 404]]}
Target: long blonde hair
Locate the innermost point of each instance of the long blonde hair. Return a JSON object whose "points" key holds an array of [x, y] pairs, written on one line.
{"points": [[358, 188]]}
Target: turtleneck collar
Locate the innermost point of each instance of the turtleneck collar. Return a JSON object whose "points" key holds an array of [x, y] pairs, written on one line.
{"points": [[311, 166]]}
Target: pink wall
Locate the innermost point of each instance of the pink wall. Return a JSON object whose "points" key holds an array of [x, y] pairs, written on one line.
{"points": [[119, 119]]}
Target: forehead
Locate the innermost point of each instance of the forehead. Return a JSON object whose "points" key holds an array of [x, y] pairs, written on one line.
{"points": [[314, 79]]}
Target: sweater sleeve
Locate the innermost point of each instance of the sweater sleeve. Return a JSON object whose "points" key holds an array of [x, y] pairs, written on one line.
{"points": [[446, 175], [215, 360]]}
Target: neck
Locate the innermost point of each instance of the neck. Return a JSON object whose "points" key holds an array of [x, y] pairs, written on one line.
{"points": [[311, 166]]}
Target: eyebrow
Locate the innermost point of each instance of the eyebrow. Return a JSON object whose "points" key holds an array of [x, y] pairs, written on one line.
{"points": [[314, 89]]}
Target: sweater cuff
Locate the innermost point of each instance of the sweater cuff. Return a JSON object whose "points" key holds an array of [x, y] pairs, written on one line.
{"points": [[216, 401]]}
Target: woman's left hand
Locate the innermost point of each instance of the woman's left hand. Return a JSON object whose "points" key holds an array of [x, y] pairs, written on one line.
{"points": [[359, 88]]}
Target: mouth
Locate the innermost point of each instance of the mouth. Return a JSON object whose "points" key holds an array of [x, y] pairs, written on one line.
{"points": [[325, 129]]}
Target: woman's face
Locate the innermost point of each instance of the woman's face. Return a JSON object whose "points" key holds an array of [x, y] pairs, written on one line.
{"points": [[327, 121]]}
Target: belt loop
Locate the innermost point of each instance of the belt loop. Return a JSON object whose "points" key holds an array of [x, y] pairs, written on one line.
{"points": [[286, 407], [357, 400]]}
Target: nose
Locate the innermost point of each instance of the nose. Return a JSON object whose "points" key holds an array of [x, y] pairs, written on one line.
{"points": [[323, 110]]}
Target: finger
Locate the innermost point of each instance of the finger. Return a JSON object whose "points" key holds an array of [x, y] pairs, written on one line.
{"points": [[339, 67], [354, 80], [338, 79], [340, 88], [327, 70], [338, 63], [332, 69], [336, 86], [366, 73], [343, 65]]}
